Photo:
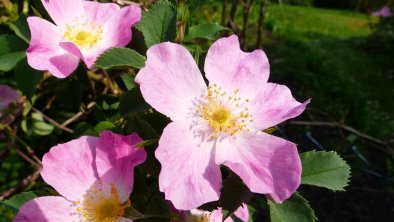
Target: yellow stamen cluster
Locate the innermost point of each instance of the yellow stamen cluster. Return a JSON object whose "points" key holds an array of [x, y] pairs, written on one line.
{"points": [[101, 205], [82, 33], [225, 113]]}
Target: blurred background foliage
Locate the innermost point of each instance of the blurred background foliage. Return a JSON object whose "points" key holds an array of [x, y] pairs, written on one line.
{"points": [[332, 51]]}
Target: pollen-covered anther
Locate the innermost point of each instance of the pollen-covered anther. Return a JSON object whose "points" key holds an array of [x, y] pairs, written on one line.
{"points": [[226, 113], [101, 204], [82, 33]]}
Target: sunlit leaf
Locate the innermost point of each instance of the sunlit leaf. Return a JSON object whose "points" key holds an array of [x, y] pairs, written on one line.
{"points": [[294, 209], [120, 58], [324, 169], [159, 23]]}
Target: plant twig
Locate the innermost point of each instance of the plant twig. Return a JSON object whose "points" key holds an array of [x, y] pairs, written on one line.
{"points": [[247, 6], [79, 114], [21, 185], [224, 12], [53, 122], [341, 126]]}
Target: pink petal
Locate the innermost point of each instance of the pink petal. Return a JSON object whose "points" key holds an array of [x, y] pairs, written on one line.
{"points": [[274, 105], [47, 209], [116, 158], [44, 52], [189, 176], [88, 57], [7, 96], [217, 216], [63, 11], [266, 164], [117, 30], [242, 212], [171, 81], [230, 68], [100, 13], [70, 167], [116, 23]]}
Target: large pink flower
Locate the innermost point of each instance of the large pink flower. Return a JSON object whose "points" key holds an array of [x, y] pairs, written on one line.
{"points": [[93, 175], [219, 124], [384, 12], [7, 96], [82, 30]]}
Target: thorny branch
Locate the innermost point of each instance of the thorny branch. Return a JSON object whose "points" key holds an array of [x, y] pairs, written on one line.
{"points": [[348, 129]]}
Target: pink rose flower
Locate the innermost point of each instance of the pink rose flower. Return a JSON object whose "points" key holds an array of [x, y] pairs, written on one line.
{"points": [[384, 12], [82, 30], [219, 124], [94, 177], [7, 96]]}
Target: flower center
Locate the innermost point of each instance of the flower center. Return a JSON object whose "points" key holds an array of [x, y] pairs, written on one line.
{"points": [[221, 116], [198, 216], [101, 205], [83, 34], [225, 113]]}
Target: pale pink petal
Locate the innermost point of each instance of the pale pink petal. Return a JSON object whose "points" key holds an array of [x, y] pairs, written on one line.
{"points": [[266, 164], [63, 11], [47, 209], [189, 176], [117, 30], [273, 106], [217, 216], [116, 158], [44, 52], [242, 212], [88, 57], [230, 68], [7, 96], [116, 24], [171, 81], [70, 167], [100, 13]]}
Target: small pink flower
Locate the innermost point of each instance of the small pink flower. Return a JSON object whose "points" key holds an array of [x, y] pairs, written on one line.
{"points": [[7, 96], [82, 30], [384, 12], [94, 177], [215, 216], [219, 124]]}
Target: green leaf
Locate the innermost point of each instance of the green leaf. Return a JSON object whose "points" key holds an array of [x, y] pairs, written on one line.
{"points": [[104, 125], [128, 81], [40, 127], [158, 210], [120, 58], [294, 209], [21, 28], [132, 102], [204, 31], [16, 201], [234, 192], [324, 169], [159, 23], [133, 214], [194, 4], [27, 78], [12, 50]]}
